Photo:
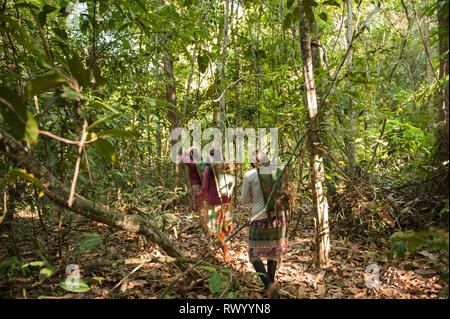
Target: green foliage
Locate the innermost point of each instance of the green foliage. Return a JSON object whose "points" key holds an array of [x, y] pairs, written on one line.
{"points": [[43, 83], [220, 282], [75, 285], [109, 71], [413, 242], [13, 173], [19, 119], [88, 242]]}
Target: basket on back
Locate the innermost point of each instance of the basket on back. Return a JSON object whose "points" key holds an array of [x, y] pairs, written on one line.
{"points": [[224, 177], [277, 181]]}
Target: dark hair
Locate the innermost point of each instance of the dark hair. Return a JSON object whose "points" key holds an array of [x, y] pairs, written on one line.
{"points": [[259, 157], [192, 155], [216, 155]]}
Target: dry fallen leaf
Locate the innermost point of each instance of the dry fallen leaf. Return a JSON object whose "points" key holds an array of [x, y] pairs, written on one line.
{"points": [[124, 285], [136, 283], [321, 290], [360, 295], [301, 292], [428, 254]]}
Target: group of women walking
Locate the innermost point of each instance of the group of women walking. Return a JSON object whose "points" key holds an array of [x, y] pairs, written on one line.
{"points": [[268, 238]]}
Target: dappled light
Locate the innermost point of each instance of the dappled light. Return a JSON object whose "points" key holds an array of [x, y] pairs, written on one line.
{"points": [[227, 150]]}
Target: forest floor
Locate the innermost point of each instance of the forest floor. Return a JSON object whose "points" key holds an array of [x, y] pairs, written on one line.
{"points": [[344, 278]]}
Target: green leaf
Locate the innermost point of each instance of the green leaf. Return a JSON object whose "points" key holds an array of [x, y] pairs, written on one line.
{"points": [[78, 71], [75, 285], [226, 270], [202, 61], [152, 101], [42, 17], [89, 242], [103, 120], [95, 280], [99, 79], [18, 118], [287, 20], [400, 249], [104, 148], [414, 242], [209, 268], [310, 3], [98, 104], [34, 264], [48, 9], [42, 84], [215, 283], [115, 132], [71, 94], [290, 3], [295, 14], [25, 39], [331, 3], [45, 272], [323, 16], [309, 13]]}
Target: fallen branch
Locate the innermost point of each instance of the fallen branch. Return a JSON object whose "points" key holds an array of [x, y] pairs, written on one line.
{"points": [[131, 261], [58, 193]]}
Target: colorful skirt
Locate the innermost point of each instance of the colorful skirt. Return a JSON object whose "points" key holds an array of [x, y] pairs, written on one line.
{"points": [[268, 239], [220, 220]]}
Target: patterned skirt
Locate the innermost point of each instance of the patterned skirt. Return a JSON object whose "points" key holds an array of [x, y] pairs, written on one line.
{"points": [[220, 220], [268, 239]]}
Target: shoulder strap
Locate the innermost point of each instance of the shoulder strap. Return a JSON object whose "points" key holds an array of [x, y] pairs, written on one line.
{"points": [[200, 174], [265, 195], [217, 183]]}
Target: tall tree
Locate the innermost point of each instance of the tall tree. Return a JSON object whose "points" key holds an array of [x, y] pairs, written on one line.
{"points": [[349, 137], [442, 154], [317, 171], [171, 92]]}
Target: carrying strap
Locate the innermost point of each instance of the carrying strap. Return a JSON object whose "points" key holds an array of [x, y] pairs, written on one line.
{"points": [[269, 211], [200, 174], [217, 183]]}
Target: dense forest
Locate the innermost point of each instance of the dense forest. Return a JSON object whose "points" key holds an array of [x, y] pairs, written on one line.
{"points": [[91, 93]]}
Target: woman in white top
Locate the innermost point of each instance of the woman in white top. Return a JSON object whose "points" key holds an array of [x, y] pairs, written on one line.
{"points": [[267, 236]]}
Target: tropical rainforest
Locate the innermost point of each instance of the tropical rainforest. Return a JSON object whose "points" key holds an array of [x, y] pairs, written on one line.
{"points": [[91, 90]]}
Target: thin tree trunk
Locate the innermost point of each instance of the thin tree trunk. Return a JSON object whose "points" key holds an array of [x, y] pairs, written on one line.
{"points": [[319, 200], [223, 78], [188, 86], [442, 154], [429, 67], [171, 96], [349, 138]]}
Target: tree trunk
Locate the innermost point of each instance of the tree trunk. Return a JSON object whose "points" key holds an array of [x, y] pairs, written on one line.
{"points": [[223, 78], [349, 138], [59, 193], [429, 67], [442, 153], [320, 203], [171, 96]]}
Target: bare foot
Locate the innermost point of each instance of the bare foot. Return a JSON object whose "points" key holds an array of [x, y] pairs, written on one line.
{"points": [[272, 292], [226, 253]]}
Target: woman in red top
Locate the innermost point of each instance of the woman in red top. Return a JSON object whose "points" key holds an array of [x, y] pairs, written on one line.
{"points": [[219, 209], [198, 204]]}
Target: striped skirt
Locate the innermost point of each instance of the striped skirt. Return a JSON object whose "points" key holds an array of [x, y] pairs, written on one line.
{"points": [[268, 240], [220, 220]]}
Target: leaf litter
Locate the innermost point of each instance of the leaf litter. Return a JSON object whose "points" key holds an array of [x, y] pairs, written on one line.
{"points": [[297, 277]]}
